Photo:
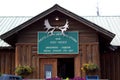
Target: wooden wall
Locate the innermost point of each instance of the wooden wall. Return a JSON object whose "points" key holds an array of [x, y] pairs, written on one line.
{"points": [[27, 54], [29, 34], [89, 52], [7, 61], [110, 65], [26, 47]]}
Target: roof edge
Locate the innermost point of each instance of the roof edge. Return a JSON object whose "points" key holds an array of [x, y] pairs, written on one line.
{"points": [[64, 11]]}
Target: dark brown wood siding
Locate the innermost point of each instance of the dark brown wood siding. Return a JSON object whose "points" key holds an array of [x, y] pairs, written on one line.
{"points": [[89, 53], [7, 61], [29, 34], [26, 53], [110, 65]]}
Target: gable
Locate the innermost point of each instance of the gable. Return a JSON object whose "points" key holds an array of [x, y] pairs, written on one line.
{"points": [[57, 8], [29, 34]]}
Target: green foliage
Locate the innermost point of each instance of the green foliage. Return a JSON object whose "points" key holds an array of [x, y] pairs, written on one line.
{"points": [[23, 70], [89, 67], [67, 78]]}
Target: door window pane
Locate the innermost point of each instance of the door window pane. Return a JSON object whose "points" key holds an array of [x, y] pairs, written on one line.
{"points": [[48, 70]]}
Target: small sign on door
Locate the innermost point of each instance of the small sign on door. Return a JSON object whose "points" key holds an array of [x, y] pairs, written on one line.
{"points": [[48, 71], [48, 74]]}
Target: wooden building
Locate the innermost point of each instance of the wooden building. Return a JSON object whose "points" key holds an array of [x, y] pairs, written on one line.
{"points": [[93, 45]]}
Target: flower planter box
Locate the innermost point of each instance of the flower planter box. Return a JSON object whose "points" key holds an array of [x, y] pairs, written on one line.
{"points": [[92, 77]]}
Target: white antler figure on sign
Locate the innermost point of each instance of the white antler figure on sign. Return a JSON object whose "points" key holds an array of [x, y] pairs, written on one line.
{"points": [[64, 28], [49, 28]]}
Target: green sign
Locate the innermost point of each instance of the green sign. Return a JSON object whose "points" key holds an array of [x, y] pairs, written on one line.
{"points": [[58, 43]]}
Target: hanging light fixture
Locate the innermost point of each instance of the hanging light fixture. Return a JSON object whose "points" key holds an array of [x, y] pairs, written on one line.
{"points": [[57, 18]]}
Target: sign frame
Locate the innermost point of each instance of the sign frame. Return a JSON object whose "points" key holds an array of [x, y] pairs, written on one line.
{"points": [[77, 52]]}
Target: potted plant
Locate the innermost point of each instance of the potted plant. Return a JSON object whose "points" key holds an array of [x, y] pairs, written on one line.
{"points": [[23, 70], [90, 68]]}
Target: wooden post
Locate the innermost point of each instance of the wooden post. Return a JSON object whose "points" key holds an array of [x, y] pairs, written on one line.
{"points": [[77, 65]]}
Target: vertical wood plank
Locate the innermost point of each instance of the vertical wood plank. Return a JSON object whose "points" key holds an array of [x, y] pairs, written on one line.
{"points": [[89, 56], [77, 65], [84, 57], [7, 63], [3, 63], [96, 55], [0, 62], [13, 63], [29, 54], [6, 60], [41, 69], [17, 55], [34, 66], [37, 68], [118, 65], [23, 54]]}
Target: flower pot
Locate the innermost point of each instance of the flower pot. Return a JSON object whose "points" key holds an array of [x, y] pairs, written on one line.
{"points": [[91, 72], [92, 77]]}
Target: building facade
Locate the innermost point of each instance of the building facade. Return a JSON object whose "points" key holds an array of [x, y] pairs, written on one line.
{"points": [[78, 41]]}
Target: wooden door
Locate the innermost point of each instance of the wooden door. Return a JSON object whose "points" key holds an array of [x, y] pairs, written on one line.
{"points": [[49, 62]]}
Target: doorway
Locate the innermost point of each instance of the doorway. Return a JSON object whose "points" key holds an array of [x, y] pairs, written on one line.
{"points": [[65, 67], [48, 68]]}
